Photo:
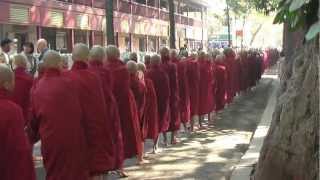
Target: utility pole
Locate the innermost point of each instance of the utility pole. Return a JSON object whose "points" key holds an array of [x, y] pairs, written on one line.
{"points": [[228, 21], [109, 22]]}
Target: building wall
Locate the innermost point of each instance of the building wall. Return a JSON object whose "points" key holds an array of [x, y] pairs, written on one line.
{"points": [[33, 15]]}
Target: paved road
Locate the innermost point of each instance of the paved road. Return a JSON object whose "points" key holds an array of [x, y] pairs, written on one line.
{"points": [[206, 154]]}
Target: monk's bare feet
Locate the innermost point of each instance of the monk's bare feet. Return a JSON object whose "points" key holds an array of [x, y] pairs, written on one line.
{"points": [[121, 174], [140, 162], [202, 128]]}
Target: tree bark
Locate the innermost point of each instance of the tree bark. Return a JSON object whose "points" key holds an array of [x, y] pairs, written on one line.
{"points": [[109, 22], [290, 150], [172, 37]]}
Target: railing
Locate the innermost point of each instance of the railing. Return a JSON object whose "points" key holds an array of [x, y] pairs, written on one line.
{"points": [[125, 6], [139, 9], [164, 15]]}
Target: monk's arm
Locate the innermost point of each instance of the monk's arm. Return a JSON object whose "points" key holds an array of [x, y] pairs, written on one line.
{"points": [[32, 127]]}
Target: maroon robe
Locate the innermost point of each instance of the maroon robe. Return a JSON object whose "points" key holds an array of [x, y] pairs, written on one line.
{"points": [[21, 93], [193, 74], [95, 119], [228, 61], [221, 79], [184, 103], [15, 152], [237, 74], [58, 123], [151, 111], [171, 69], [128, 112], [161, 84], [138, 88], [113, 118], [205, 89]]}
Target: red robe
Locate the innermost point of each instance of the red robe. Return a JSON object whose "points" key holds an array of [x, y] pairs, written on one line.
{"points": [[15, 152], [193, 74], [171, 69], [58, 122], [161, 84], [221, 79], [113, 118], [205, 89], [151, 111], [184, 103], [228, 61], [21, 93], [138, 88], [238, 75], [129, 117], [99, 139], [244, 69]]}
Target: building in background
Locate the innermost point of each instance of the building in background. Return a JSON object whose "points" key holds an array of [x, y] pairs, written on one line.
{"points": [[140, 25]]}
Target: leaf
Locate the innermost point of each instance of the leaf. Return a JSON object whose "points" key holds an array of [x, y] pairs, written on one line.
{"points": [[279, 18], [313, 31], [296, 4]]}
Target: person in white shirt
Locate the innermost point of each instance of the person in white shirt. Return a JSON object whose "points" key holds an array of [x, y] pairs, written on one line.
{"points": [[5, 49]]}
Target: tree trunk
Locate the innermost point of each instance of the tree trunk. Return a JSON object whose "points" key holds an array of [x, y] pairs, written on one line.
{"points": [[290, 150], [109, 22], [254, 35], [172, 25]]}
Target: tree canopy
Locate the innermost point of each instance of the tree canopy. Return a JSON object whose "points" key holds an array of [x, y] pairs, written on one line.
{"points": [[296, 13]]}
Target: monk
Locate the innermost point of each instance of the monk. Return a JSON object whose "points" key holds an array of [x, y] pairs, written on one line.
{"points": [[98, 135], [161, 85], [147, 61], [23, 84], [228, 61], [151, 127], [96, 58], [193, 75], [138, 89], [15, 152], [171, 69], [184, 103], [129, 116], [206, 87], [57, 122], [221, 79]]}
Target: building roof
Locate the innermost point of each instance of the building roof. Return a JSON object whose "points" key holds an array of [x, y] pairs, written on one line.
{"points": [[197, 2]]}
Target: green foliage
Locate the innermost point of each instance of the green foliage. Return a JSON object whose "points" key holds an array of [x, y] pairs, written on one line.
{"points": [[300, 14]]}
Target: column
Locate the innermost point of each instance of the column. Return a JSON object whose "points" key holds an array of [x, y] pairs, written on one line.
{"points": [[93, 38], [147, 41], [39, 32], [72, 38]]}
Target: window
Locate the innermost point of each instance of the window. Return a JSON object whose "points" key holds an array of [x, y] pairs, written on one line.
{"points": [[142, 44], [80, 36]]}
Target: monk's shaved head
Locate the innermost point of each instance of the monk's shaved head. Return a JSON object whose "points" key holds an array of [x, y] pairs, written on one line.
{"points": [[42, 44], [132, 66], [80, 52], [173, 53], [97, 53], [19, 60], [133, 56], [52, 59], [141, 67], [220, 57], [202, 55], [164, 52], [155, 59], [6, 77], [112, 52]]}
